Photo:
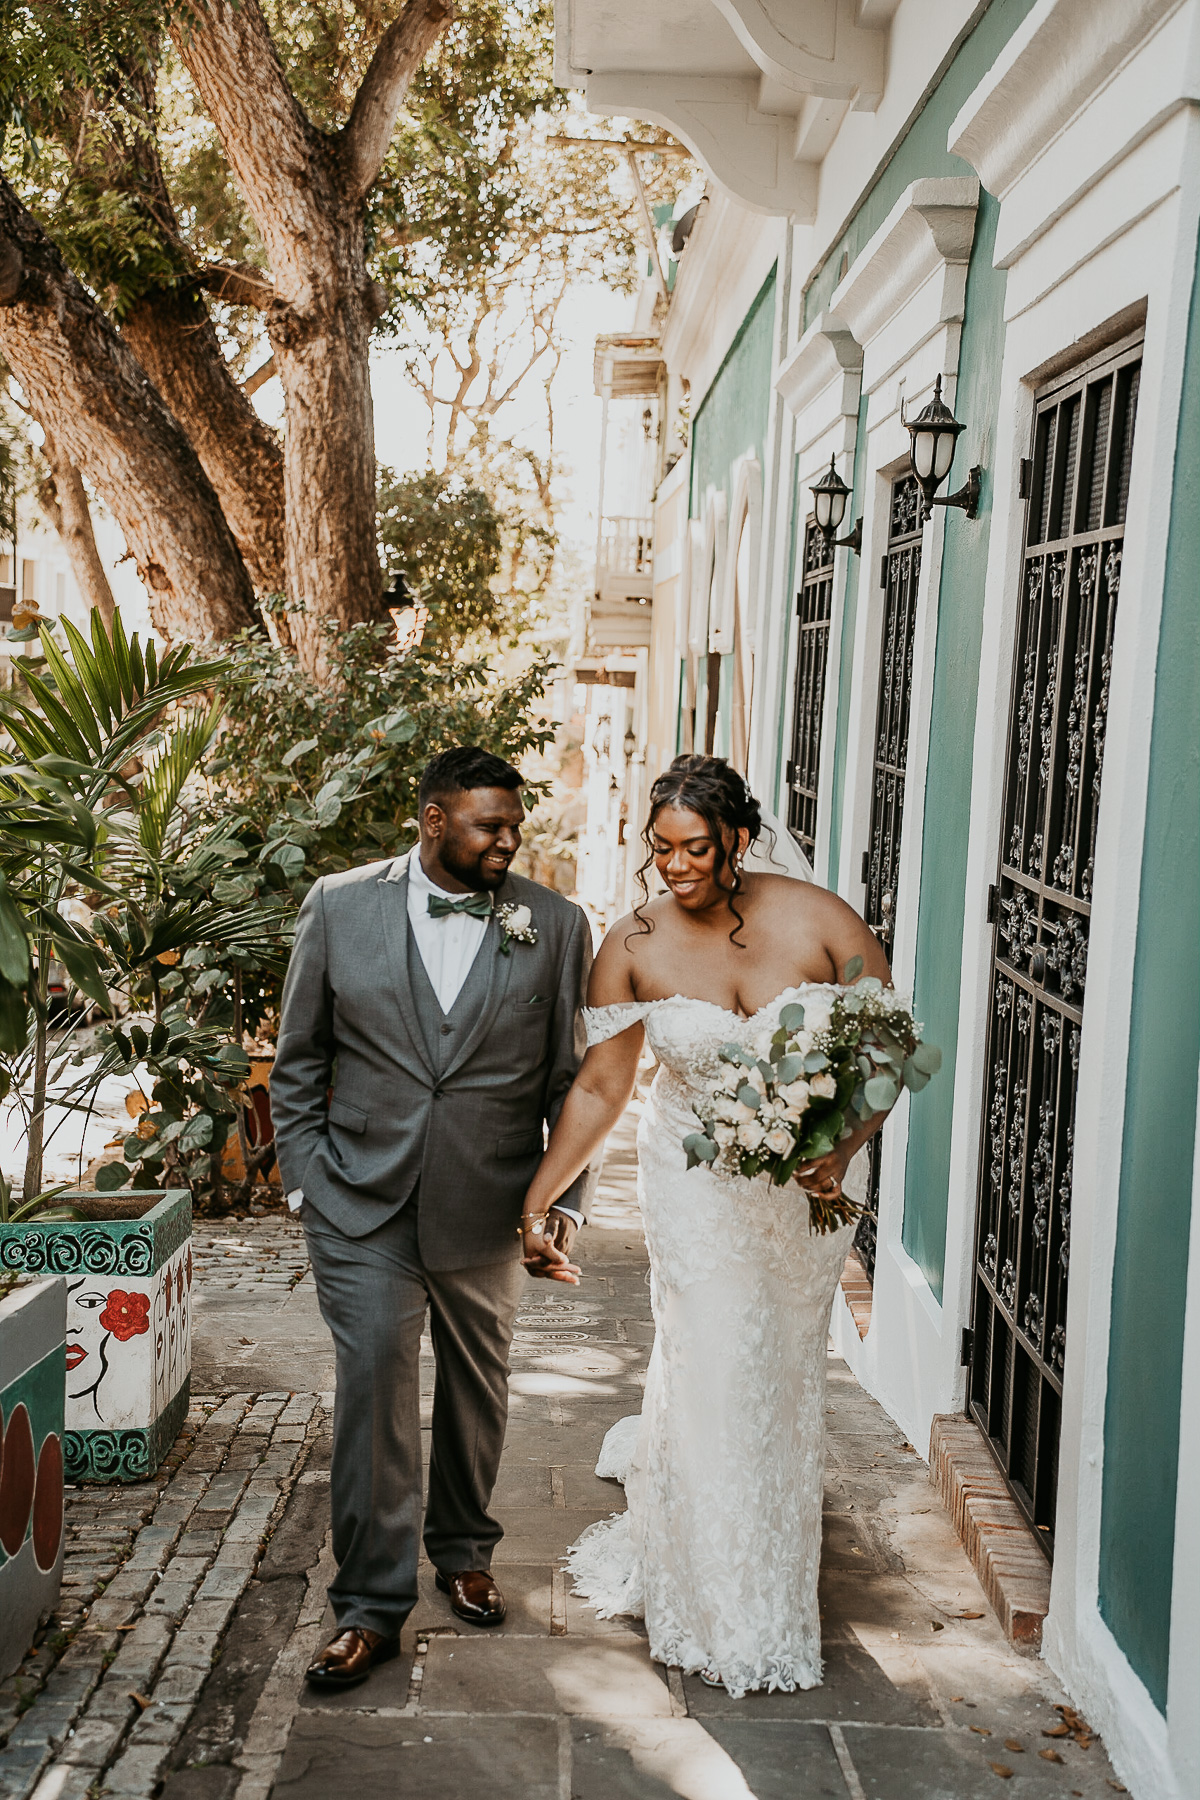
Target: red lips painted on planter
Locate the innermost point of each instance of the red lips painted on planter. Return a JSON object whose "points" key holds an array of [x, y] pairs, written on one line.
{"points": [[75, 1355]]}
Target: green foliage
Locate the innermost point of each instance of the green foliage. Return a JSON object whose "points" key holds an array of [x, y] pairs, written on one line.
{"points": [[445, 537], [327, 774], [106, 871]]}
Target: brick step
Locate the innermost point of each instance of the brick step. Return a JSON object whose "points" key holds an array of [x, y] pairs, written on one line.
{"points": [[1004, 1552]]}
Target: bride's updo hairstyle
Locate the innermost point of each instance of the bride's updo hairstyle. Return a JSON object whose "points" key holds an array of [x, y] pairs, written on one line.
{"points": [[713, 789]]}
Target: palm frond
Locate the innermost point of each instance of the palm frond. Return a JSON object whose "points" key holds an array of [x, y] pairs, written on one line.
{"points": [[168, 772]]}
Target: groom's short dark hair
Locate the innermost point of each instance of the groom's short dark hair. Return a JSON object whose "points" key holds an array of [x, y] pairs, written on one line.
{"points": [[463, 768]]}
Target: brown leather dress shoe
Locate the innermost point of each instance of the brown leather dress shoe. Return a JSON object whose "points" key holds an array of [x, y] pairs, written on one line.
{"points": [[349, 1658], [474, 1596]]}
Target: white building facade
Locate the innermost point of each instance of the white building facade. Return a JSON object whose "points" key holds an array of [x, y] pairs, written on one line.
{"points": [[982, 727]]}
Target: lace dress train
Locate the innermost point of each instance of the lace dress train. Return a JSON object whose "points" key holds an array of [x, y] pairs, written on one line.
{"points": [[720, 1547]]}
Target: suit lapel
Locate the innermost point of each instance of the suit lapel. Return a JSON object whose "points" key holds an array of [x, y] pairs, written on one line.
{"points": [[393, 901], [499, 972]]}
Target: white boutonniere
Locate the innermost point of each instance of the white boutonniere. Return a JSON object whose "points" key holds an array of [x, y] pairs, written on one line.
{"points": [[516, 925]]}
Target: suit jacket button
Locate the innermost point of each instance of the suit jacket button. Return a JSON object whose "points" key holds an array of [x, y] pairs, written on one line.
{"points": [[437, 1093], [446, 1030]]}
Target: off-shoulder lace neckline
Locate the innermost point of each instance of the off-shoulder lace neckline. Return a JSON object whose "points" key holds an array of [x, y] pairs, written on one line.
{"points": [[696, 1000]]}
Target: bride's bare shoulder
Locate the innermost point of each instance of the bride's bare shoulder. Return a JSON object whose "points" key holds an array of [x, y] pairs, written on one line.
{"points": [[613, 971]]}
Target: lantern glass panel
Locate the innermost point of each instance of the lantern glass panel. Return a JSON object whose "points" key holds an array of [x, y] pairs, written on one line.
{"points": [[924, 451], [943, 453], [823, 507]]}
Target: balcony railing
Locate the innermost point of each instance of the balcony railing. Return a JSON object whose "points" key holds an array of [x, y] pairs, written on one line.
{"points": [[626, 548]]}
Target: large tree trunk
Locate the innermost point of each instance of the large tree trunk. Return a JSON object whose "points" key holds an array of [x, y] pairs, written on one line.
{"points": [[111, 424], [174, 340], [63, 499], [306, 193]]}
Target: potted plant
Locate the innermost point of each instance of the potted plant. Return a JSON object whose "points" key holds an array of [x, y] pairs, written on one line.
{"points": [[32, 1363], [103, 871]]}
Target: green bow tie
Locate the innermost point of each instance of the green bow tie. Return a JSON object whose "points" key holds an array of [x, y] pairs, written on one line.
{"points": [[478, 906]]}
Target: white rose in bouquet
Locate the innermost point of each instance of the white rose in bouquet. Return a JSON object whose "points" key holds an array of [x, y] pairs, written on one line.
{"points": [[751, 1134], [725, 1135], [823, 1086], [757, 1080], [742, 1113], [818, 1015], [796, 1096], [780, 1140], [731, 1080]]}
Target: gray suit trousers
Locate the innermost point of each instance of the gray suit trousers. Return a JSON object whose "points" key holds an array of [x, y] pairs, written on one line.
{"points": [[374, 1292]]}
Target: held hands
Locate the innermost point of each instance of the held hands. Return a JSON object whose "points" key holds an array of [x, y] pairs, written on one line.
{"points": [[546, 1245]]}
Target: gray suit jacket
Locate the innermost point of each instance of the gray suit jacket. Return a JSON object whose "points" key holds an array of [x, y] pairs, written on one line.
{"points": [[469, 1134]]}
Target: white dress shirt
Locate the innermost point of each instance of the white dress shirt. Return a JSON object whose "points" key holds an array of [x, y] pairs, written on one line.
{"points": [[447, 947]]}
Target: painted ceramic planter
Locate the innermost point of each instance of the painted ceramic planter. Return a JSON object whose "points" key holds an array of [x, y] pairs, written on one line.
{"points": [[32, 1365], [129, 1334]]}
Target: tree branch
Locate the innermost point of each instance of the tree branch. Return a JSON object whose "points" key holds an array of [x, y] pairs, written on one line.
{"points": [[63, 499], [241, 284], [398, 55]]}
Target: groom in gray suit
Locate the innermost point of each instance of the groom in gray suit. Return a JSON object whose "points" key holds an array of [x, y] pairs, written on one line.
{"points": [[430, 1027]]}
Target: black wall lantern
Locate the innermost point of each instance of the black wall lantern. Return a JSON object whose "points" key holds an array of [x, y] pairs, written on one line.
{"points": [[830, 495], [933, 435]]}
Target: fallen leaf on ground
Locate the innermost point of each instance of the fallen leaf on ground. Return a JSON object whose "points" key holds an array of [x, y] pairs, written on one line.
{"points": [[141, 1699], [1119, 1785], [936, 1625], [1002, 1770], [955, 1697], [969, 1615], [982, 1730], [1050, 1756], [1013, 1744], [1056, 1731], [245, 1340]]}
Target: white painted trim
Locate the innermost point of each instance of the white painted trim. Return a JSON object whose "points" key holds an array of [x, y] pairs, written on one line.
{"points": [[822, 378], [912, 277], [745, 513], [1055, 63]]}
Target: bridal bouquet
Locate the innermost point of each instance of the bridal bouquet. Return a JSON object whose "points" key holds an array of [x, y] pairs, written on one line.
{"points": [[786, 1098]]}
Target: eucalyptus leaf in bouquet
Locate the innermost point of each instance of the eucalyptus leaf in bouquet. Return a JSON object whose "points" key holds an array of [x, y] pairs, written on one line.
{"points": [[787, 1098]]}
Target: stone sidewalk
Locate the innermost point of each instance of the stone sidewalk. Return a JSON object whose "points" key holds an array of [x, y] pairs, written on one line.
{"points": [[183, 1676]]}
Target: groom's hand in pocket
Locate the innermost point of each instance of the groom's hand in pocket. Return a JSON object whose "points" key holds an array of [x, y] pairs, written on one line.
{"points": [[547, 1254]]}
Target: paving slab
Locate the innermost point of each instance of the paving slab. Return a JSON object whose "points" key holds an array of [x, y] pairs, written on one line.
{"points": [[435, 1759]]}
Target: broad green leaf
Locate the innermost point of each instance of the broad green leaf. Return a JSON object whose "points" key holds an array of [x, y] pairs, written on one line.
{"points": [[852, 971], [749, 1096], [196, 1133], [789, 1068], [927, 1058], [913, 1077], [15, 962], [14, 1019], [792, 1016], [298, 750], [83, 966], [815, 1061], [880, 1093], [111, 1176], [701, 1147]]}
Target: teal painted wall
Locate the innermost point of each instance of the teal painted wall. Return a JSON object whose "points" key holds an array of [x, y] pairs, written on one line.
{"points": [[732, 417], [947, 814], [1145, 1357], [922, 151]]}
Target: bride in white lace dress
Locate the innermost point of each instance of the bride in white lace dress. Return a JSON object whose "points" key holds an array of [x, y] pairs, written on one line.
{"points": [[720, 1547]]}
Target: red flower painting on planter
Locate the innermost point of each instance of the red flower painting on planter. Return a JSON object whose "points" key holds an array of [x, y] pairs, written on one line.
{"points": [[126, 1315]]}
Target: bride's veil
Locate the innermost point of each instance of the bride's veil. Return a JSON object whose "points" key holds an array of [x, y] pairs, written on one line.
{"points": [[783, 856]]}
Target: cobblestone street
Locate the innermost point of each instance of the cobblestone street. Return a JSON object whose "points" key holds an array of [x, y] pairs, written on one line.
{"points": [[192, 1603]]}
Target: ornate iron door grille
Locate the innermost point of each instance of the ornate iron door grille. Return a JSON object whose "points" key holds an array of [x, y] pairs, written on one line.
{"points": [[901, 576], [814, 604], [1078, 484]]}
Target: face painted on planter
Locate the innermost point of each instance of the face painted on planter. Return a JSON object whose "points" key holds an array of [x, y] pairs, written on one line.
{"points": [[88, 1341], [99, 1321]]}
